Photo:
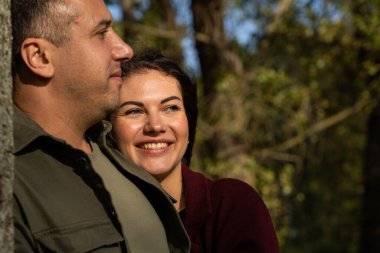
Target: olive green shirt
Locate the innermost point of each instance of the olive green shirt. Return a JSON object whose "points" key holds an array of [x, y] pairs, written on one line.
{"points": [[141, 226], [61, 204]]}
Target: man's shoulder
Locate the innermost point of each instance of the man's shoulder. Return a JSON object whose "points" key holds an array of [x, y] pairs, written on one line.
{"points": [[25, 130]]}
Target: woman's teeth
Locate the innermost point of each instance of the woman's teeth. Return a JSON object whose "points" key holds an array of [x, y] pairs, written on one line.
{"points": [[154, 145]]}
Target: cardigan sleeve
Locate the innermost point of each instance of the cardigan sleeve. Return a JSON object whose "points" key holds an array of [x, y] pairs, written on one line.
{"points": [[243, 223]]}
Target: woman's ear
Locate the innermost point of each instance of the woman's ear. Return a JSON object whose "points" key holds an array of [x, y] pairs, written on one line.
{"points": [[36, 54]]}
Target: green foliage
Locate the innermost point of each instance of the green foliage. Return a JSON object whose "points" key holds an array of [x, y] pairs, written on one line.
{"points": [[292, 123], [302, 73]]}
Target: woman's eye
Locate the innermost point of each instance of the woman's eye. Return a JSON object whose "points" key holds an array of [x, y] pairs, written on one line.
{"points": [[172, 108], [132, 112]]}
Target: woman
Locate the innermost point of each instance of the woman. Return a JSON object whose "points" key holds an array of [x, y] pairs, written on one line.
{"points": [[155, 127]]}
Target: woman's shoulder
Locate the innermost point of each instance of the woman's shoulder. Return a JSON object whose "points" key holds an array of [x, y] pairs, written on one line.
{"points": [[238, 201], [222, 191], [234, 217], [231, 187], [222, 187]]}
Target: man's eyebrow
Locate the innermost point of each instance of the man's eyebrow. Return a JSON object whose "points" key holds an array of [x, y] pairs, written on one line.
{"points": [[170, 98], [132, 103], [103, 23]]}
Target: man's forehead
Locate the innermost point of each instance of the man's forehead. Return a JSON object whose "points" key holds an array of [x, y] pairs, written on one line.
{"points": [[92, 12], [95, 8]]}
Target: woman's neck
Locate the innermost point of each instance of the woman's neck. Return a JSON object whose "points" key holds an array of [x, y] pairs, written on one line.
{"points": [[172, 184]]}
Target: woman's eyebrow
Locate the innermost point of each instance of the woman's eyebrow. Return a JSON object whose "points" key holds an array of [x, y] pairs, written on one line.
{"points": [[170, 98], [132, 103]]}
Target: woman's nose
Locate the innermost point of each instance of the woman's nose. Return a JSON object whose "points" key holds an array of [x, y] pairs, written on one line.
{"points": [[154, 125]]}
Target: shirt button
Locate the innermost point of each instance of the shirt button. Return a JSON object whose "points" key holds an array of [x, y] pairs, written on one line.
{"points": [[82, 161]]}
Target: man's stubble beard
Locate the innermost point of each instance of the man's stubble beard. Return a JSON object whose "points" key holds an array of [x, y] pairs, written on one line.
{"points": [[95, 106]]}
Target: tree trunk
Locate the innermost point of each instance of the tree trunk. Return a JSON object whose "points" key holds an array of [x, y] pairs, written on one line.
{"points": [[209, 41], [128, 20], [370, 238], [160, 33], [6, 130], [370, 232], [171, 46]]}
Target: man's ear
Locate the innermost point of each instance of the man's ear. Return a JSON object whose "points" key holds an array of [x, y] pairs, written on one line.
{"points": [[36, 54]]}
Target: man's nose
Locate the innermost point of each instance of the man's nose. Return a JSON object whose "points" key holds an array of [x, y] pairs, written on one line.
{"points": [[121, 50]]}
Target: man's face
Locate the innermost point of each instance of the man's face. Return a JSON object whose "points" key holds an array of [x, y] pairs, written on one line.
{"points": [[87, 69]]}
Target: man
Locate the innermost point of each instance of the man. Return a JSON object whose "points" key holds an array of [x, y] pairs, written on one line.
{"points": [[68, 196]]}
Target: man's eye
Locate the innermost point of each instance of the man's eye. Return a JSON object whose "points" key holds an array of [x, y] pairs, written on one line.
{"points": [[102, 33]]}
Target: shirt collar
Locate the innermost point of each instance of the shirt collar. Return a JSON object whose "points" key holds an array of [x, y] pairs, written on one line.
{"points": [[25, 130]]}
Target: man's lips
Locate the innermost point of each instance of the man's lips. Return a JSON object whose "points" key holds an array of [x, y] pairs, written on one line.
{"points": [[116, 75]]}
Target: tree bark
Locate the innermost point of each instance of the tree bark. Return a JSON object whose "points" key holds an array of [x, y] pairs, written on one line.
{"points": [[208, 21], [210, 43], [6, 130], [370, 227], [167, 15], [370, 238], [128, 20], [161, 33]]}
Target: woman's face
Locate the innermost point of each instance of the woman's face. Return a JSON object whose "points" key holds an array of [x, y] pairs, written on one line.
{"points": [[150, 125]]}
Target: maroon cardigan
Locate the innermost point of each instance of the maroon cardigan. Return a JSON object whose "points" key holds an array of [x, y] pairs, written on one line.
{"points": [[225, 216]]}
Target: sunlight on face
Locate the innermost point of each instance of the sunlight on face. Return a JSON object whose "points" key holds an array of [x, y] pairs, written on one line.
{"points": [[151, 125]]}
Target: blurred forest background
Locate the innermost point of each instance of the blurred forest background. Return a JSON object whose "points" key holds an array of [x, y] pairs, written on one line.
{"points": [[289, 102]]}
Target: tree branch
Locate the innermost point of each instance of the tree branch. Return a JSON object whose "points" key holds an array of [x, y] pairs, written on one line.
{"points": [[282, 7], [315, 129]]}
